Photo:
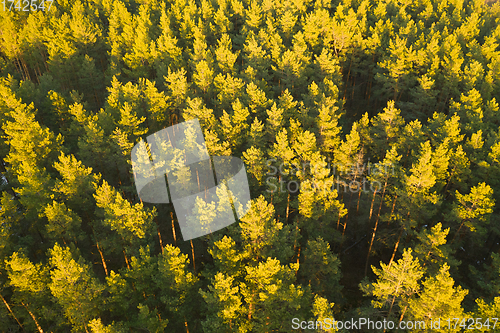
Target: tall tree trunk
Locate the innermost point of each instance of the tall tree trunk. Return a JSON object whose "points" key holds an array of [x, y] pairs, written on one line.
{"points": [[376, 222], [12, 313], [458, 231], [159, 234], [126, 259], [100, 253], [173, 228], [34, 319], [359, 198], [287, 207], [341, 200], [371, 206], [403, 313], [250, 306], [192, 253], [373, 234], [393, 206], [396, 247]]}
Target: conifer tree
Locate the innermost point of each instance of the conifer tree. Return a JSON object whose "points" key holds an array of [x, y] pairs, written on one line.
{"points": [[432, 249], [271, 296], [258, 101], [473, 210], [31, 286], [225, 306], [396, 283], [487, 310], [382, 172], [178, 288], [132, 223], [169, 54], [224, 55], [228, 89], [63, 223], [235, 127], [177, 83], [76, 290], [417, 201], [76, 184], [141, 55], [327, 122], [254, 158], [385, 128], [321, 268], [438, 298], [227, 257], [318, 200], [262, 235]]}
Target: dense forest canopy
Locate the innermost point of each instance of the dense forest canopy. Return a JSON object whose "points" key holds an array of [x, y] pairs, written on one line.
{"points": [[370, 131]]}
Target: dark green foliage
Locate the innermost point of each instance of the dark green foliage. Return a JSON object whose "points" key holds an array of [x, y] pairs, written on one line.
{"points": [[368, 129]]}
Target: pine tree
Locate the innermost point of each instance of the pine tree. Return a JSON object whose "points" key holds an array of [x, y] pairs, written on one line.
{"points": [[30, 283], [473, 210], [132, 293], [432, 249], [225, 306], [224, 55], [322, 310], [177, 83], [63, 224], [256, 134], [327, 122], [29, 141], [94, 150], [203, 76], [271, 295], [132, 223], [178, 288], [321, 268], [487, 310], [257, 59], [97, 326], [442, 127], [169, 54], [328, 66], [396, 68], [235, 127], [228, 88], [121, 35], [254, 158], [318, 29], [262, 235], [318, 200], [196, 109], [227, 257], [385, 129], [438, 298], [274, 121], [76, 185], [74, 287], [417, 201], [258, 101], [386, 172], [396, 283]]}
